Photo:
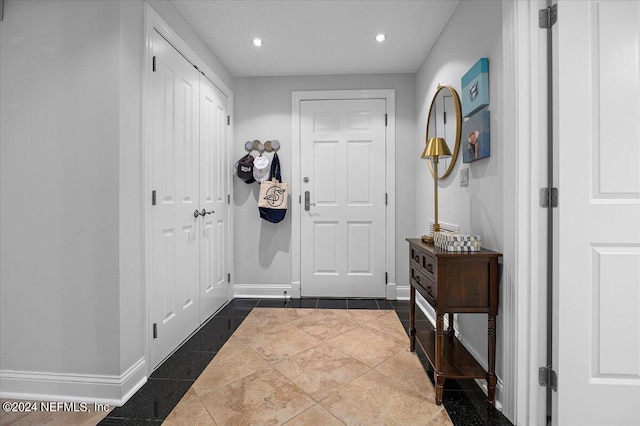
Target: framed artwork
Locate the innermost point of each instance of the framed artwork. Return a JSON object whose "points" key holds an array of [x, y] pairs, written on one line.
{"points": [[475, 88], [476, 137]]}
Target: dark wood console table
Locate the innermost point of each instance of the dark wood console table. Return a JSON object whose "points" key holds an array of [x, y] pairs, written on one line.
{"points": [[454, 283]]}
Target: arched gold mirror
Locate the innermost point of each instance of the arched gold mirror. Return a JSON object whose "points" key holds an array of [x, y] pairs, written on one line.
{"points": [[445, 121]]}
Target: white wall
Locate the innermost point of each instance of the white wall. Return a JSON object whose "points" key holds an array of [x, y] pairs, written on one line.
{"points": [[59, 225], [474, 31], [71, 280], [262, 250]]}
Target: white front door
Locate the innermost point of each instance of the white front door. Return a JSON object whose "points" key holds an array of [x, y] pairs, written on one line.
{"points": [[597, 339], [214, 181], [342, 151], [175, 170]]}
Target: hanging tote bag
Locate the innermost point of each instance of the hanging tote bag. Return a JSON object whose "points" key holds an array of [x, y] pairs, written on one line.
{"points": [[273, 199]]}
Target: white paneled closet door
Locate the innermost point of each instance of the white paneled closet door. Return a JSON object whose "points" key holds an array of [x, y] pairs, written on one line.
{"points": [[189, 218], [214, 188], [175, 180]]}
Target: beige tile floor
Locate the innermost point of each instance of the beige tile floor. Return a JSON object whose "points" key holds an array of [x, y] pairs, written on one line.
{"points": [[304, 367], [313, 367]]}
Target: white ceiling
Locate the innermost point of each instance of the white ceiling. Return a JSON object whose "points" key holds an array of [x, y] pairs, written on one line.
{"points": [[314, 37]]}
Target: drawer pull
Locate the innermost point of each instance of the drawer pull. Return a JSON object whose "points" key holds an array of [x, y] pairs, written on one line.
{"points": [[416, 258], [418, 279], [429, 290], [430, 267]]}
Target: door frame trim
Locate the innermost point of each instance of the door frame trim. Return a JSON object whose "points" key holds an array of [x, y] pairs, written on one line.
{"points": [[524, 282], [389, 95], [154, 23]]}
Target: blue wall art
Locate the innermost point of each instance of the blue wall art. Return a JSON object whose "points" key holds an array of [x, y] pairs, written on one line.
{"points": [[475, 88], [476, 137]]}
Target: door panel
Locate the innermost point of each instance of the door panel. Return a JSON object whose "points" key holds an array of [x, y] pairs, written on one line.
{"points": [[359, 166], [597, 351], [325, 191], [343, 234], [175, 178], [326, 248], [359, 248], [213, 198]]}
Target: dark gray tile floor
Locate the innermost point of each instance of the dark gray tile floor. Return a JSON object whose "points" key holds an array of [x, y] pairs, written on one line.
{"points": [[464, 400]]}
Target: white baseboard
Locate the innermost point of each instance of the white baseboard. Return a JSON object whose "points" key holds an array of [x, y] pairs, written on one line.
{"points": [[402, 292], [426, 309], [60, 387], [266, 290], [391, 291], [499, 390], [275, 291]]}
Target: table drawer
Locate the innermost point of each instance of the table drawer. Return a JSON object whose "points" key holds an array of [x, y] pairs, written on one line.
{"points": [[429, 286], [416, 256], [429, 266], [425, 262]]}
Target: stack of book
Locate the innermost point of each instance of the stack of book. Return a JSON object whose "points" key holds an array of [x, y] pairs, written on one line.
{"points": [[451, 241]]}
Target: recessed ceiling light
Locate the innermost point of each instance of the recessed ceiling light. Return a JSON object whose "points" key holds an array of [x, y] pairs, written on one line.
{"points": [[380, 38], [257, 42]]}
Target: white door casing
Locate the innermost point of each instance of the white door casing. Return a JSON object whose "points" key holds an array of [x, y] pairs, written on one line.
{"points": [[342, 160], [214, 178], [175, 179], [597, 345], [523, 289]]}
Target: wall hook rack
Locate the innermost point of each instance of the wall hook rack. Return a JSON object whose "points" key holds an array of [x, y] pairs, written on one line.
{"points": [[256, 145]]}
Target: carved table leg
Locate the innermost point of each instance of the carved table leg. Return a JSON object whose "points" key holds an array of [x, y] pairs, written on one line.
{"points": [[491, 376], [412, 318], [438, 373], [450, 329]]}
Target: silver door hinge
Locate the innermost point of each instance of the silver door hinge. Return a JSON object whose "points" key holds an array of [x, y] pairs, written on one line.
{"points": [[155, 330], [386, 278], [548, 378], [228, 120], [229, 277], [153, 197], [548, 197], [153, 64], [300, 199], [386, 198], [386, 119], [547, 17], [228, 198]]}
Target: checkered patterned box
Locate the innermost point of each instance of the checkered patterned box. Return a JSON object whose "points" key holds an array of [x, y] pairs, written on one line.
{"points": [[451, 241]]}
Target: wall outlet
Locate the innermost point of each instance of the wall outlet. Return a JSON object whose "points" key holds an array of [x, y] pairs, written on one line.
{"points": [[464, 177]]}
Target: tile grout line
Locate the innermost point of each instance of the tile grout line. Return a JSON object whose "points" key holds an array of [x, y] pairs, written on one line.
{"points": [[203, 406], [317, 404]]}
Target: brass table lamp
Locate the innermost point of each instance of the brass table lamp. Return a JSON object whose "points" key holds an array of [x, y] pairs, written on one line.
{"points": [[436, 148]]}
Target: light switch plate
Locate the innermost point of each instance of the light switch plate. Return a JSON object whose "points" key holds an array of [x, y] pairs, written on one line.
{"points": [[464, 177]]}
